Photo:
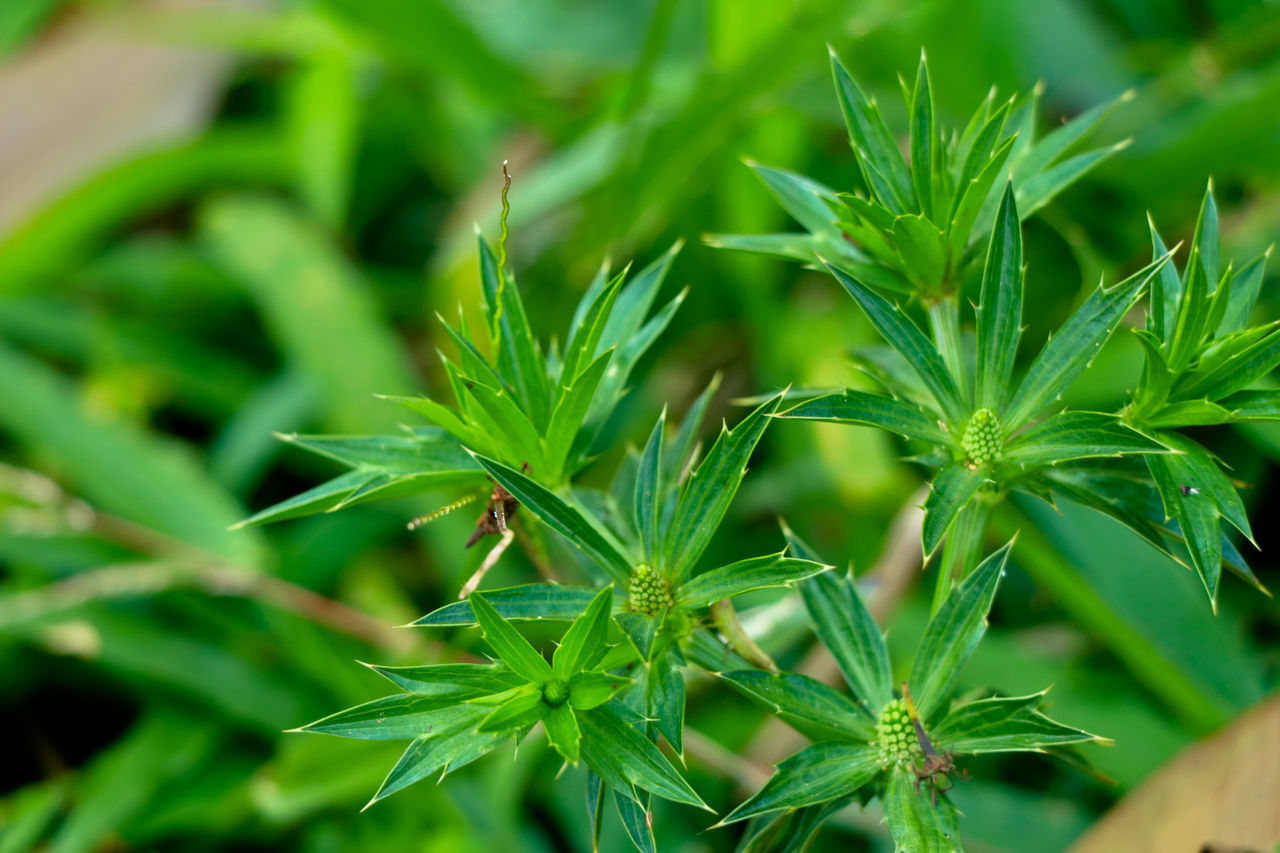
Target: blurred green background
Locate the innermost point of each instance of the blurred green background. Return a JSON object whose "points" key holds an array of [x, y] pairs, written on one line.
{"points": [[224, 219]]}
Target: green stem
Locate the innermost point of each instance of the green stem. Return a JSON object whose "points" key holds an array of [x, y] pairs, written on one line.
{"points": [[944, 319], [963, 548], [1088, 609]]}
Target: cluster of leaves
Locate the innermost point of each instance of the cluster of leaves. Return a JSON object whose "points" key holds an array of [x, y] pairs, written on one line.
{"points": [[614, 689], [1202, 356], [918, 232], [538, 412], [979, 421], [919, 223], [879, 743]]}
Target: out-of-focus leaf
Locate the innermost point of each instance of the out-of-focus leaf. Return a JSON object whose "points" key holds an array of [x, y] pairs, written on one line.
{"points": [[315, 305], [120, 468], [846, 628]]}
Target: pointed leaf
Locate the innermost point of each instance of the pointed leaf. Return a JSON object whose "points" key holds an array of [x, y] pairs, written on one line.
{"points": [[614, 748], [520, 711], [1000, 306], [905, 337], [585, 638], [1077, 435], [860, 407], [648, 494], [571, 413], [952, 635], [924, 139], [916, 824], [518, 355], [810, 707], [1071, 350], [550, 601], [399, 717], [1004, 724], [844, 626], [955, 484], [665, 696], [774, 570], [575, 525], [512, 648], [440, 751], [816, 774], [458, 680], [588, 690], [870, 137], [710, 490], [562, 731]]}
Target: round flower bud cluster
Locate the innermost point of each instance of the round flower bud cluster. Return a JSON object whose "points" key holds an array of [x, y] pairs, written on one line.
{"points": [[555, 692], [982, 437], [648, 591], [895, 736]]}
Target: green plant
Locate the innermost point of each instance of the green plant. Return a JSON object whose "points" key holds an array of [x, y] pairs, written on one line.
{"points": [[981, 424], [614, 690], [880, 742]]}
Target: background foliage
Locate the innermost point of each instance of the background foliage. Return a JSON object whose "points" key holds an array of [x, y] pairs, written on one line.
{"points": [[259, 236]]}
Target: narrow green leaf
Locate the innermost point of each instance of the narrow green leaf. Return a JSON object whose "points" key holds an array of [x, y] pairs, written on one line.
{"points": [[588, 690], [955, 484], [774, 570], [614, 748], [905, 337], [1205, 241], [519, 357], [792, 831], [1253, 405], [952, 635], [1077, 435], [1189, 413], [578, 527], [1197, 518], [1038, 190], [562, 731], [515, 435], [924, 140], [569, 415], [550, 601], [678, 451], [512, 648], [665, 696], [877, 410], [922, 250], [844, 626], [1245, 286], [971, 197], [999, 313], [637, 820], [585, 639], [1004, 724], [1166, 289], [581, 348], [458, 680], [520, 711], [444, 751], [648, 494], [641, 629], [635, 300], [870, 137], [813, 775], [1071, 350], [809, 202], [710, 490], [441, 416], [810, 707], [1192, 316], [399, 717], [918, 826]]}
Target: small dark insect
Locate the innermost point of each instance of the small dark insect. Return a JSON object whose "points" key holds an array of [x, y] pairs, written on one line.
{"points": [[493, 520], [1189, 490], [937, 766]]}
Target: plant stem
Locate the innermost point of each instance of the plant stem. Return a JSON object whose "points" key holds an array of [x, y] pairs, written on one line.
{"points": [[963, 547], [944, 319], [1054, 574]]}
